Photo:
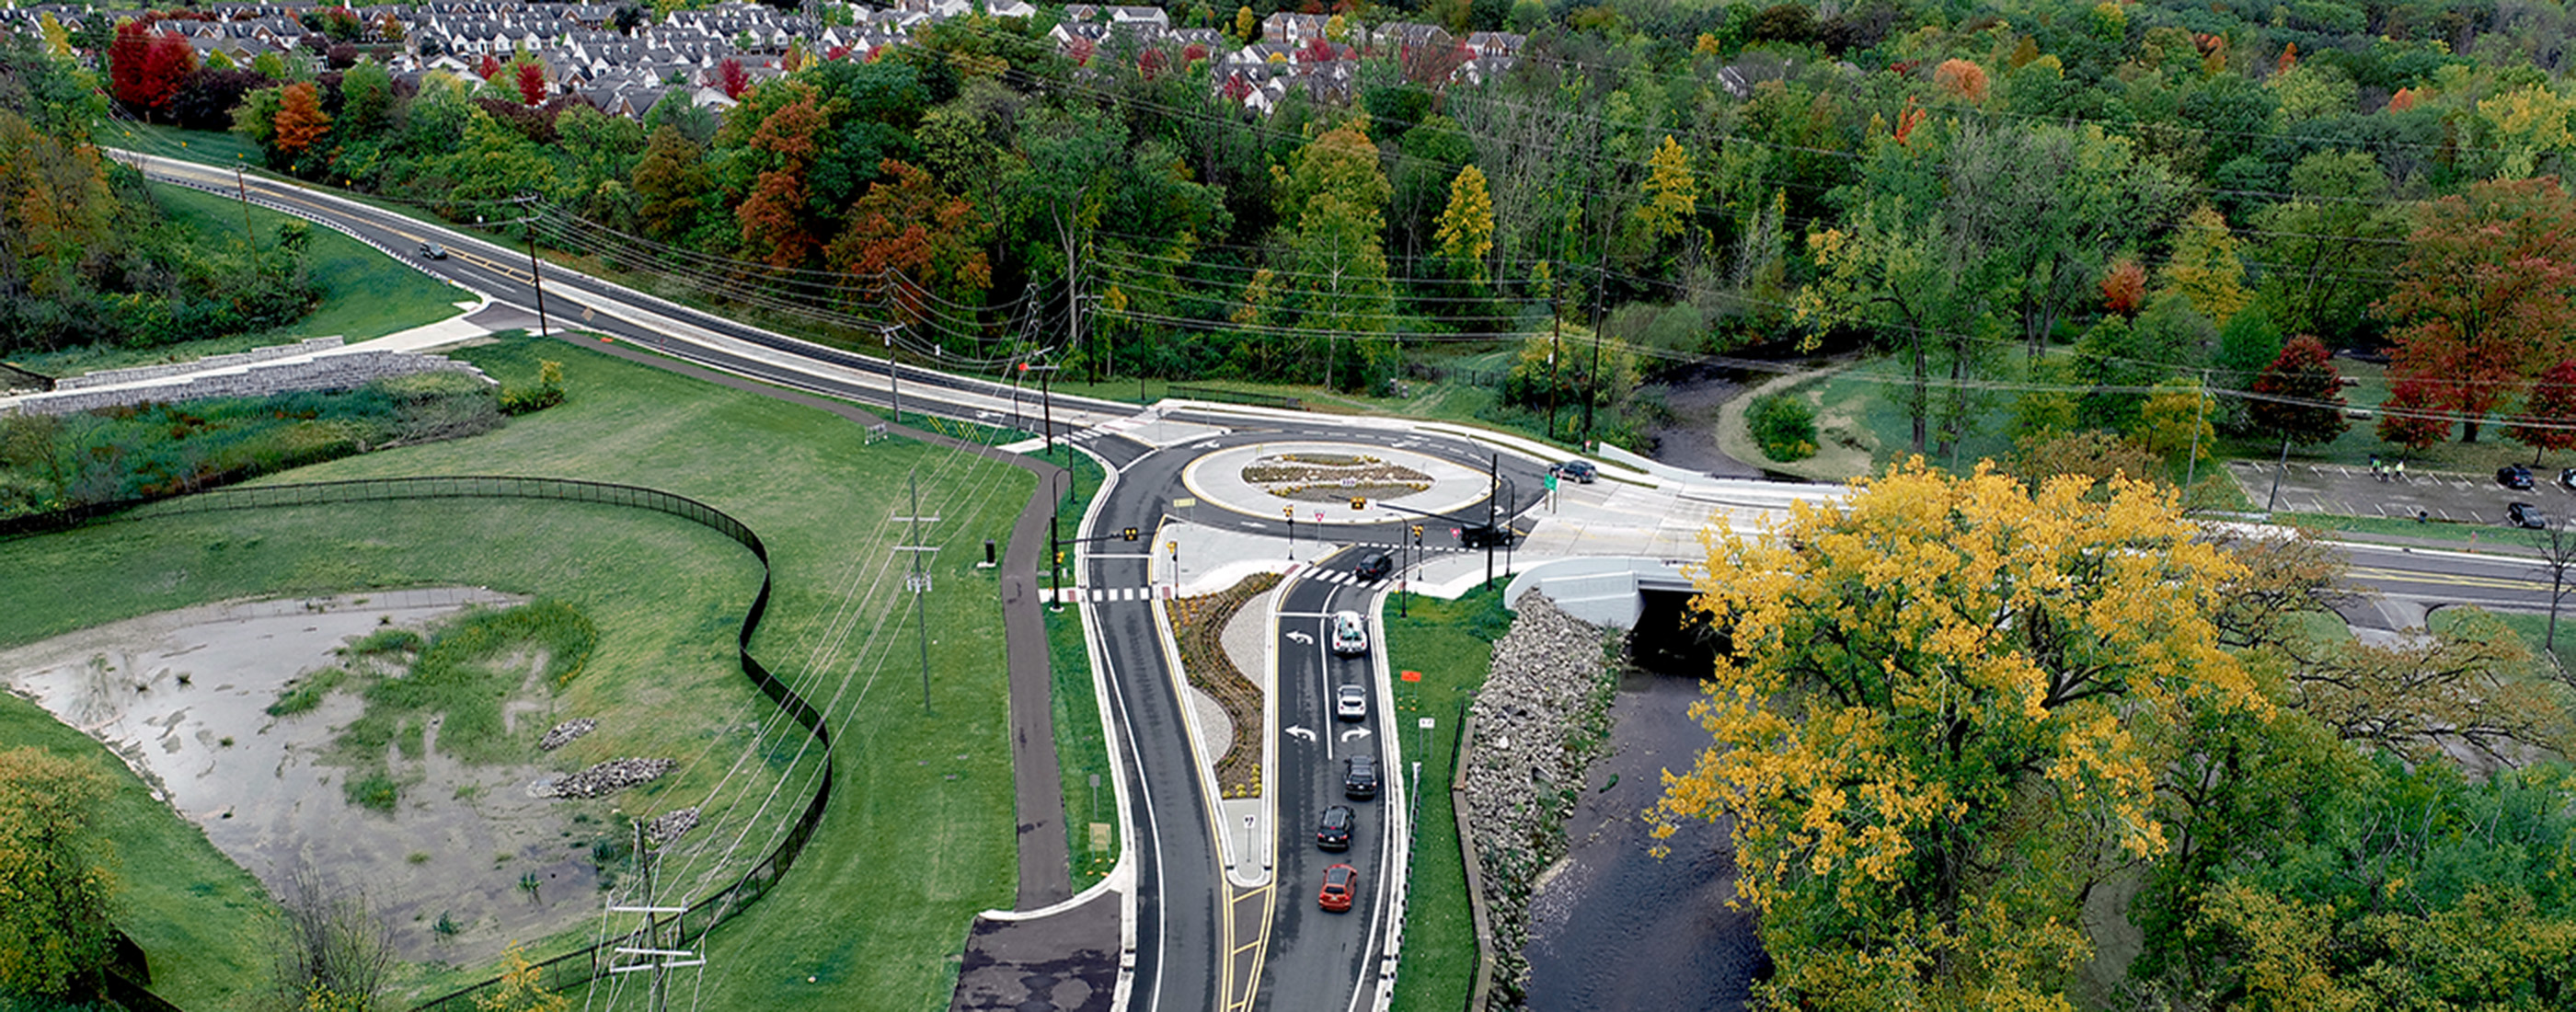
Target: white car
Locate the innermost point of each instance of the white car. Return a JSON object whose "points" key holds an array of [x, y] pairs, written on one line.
{"points": [[1350, 634], [1350, 702]]}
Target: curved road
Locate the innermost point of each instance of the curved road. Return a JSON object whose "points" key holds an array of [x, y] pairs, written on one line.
{"points": [[1202, 942]]}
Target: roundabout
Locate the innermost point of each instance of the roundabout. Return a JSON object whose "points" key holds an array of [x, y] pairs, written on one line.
{"points": [[1316, 481]]}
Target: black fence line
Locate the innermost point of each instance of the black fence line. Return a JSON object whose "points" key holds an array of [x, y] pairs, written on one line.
{"points": [[1198, 393], [589, 963]]}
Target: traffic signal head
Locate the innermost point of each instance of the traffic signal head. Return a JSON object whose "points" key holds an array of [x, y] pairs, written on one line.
{"points": [[1130, 534], [1359, 502]]}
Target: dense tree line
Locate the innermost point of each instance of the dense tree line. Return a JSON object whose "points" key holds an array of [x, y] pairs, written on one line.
{"points": [[87, 256], [2095, 195]]}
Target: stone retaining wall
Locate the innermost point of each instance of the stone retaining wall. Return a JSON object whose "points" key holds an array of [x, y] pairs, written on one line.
{"points": [[325, 372], [1542, 716], [105, 377]]}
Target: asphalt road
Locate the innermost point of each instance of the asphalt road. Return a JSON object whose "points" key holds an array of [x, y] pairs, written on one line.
{"points": [[1190, 923], [1319, 959]]}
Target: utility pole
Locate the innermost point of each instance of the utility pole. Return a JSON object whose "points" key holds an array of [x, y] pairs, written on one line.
{"points": [[658, 960], [244, 187], [1554, 342], [2200, 415], [919, 583], [536, 278], [894, 376], [1592, 390]]}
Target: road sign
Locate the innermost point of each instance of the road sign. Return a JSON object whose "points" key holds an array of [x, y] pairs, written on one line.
{"points": [[1411, 676], [1453, 532], [1184, 503], [1550, 480]]}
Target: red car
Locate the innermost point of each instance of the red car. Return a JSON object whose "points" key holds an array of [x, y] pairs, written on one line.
{"points": [[1340, 881]]}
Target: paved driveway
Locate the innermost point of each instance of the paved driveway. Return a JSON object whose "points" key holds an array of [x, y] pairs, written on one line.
{"points": [[2349, 490]]}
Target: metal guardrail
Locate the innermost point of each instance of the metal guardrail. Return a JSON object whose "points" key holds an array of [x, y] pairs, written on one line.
{"points": [[586, 964]]}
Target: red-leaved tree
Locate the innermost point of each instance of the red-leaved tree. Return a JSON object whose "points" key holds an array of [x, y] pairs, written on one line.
{"points": [[488, 68], [2487, 294], [735, 81], [2548, 419], [2300, 395], [2411, 416], [912, 240], [532, 82], [144, 67], [2124, 288], [773, 216]]}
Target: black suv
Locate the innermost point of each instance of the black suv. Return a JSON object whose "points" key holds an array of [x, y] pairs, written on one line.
{"points": [[2523, 514], [1359, 777], [1373, 566], [2514, 476], [1578, 470], [1335, 833]]}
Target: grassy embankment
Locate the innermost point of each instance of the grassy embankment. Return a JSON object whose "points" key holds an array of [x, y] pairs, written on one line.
{"points": [[929, 794], [366, 294], [1081, 752], [1451, 644]]}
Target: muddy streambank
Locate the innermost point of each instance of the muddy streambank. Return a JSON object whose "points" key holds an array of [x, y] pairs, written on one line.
{"points": [[1612, 926], [182, 697]]}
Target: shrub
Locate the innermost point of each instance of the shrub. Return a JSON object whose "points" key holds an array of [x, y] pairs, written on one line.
{"points": [[1785, 427]]}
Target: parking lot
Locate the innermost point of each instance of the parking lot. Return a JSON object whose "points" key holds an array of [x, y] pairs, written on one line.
{"points": [[2351, 490]]}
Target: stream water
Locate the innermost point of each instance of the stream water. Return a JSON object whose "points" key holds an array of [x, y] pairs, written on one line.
{"points": [[1612, 926]]}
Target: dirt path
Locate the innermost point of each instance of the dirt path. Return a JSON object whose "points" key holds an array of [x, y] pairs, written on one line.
{"points": [[1689, 439]]}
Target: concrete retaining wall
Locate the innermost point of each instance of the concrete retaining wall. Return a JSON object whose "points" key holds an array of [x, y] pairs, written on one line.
{"points": [[326, 372]]}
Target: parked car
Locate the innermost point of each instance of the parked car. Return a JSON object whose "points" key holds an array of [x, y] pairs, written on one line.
{"points": [[2514, 476], [1341, 883], [2523, 514], [433, 251], [2567, 478], [1334, 833], [1373, 566], [1350, 702], [1359, 777], [1575, 470], [1350, 634]]}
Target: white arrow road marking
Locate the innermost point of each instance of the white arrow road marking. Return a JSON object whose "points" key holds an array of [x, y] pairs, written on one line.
{"points": [[1300, 637], [1356, 732], [1207, 445], [1299, 732]]}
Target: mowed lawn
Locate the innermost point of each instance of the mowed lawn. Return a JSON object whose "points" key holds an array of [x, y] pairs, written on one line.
{"points": [[1451, 644], [919, 836]]}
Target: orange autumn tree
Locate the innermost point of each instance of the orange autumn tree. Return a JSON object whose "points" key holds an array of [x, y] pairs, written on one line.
{"points": [[301, 123], [910, 242], [2487, 295], [773, 216], [1939, 720]]}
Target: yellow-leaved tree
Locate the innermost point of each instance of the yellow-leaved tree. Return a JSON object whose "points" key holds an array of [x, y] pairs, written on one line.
{"points": [[1940, 717]]}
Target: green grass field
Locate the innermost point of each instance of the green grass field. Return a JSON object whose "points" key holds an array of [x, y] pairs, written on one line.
{"points": [[1081, 753], [366, 294], [1451, 644], [919, 837]]}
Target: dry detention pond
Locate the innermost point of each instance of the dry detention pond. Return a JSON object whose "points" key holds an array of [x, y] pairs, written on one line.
{"points": [[182, 697]]}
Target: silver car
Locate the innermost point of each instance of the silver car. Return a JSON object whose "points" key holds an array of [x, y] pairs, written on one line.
{"points": [[1350, 702]]}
